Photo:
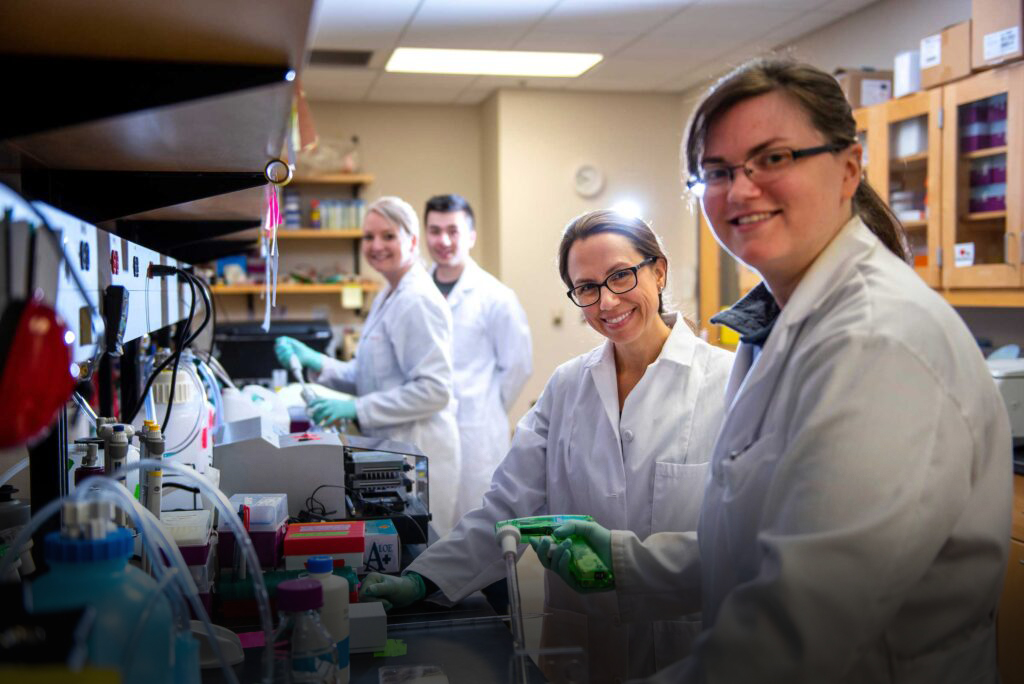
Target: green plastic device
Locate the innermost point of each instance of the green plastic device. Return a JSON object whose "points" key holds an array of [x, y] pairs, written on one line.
{"points": [[585, 565]]}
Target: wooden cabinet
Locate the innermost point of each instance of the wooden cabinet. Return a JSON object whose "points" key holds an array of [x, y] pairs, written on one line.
{"points": [[908, 141], [1010, 626], [983, 162]]}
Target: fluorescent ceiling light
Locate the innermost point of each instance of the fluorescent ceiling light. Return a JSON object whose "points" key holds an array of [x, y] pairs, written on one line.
{"points": [[491, 62]]}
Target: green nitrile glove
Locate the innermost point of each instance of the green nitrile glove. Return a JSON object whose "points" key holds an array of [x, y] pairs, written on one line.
{"points": [[285, 347], [331, 411], [555, 554], [393, 592]]}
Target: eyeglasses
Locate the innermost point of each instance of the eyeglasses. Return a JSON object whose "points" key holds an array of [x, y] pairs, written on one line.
{"points": [[619, 282], [763, 167]]}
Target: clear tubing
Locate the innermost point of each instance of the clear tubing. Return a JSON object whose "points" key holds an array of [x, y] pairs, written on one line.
{"points": [[113, 491], [26, 533], [154, 538], [14, 470], [238, 530], [161, 586], [218, 402]]}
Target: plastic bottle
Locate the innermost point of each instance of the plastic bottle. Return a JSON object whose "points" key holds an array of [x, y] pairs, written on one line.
{"points": [[303, 650], [133, 612], [187, 434], [314, 213], [334, 614]]}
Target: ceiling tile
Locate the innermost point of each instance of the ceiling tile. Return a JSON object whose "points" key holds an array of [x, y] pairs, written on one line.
{"points": [[520, 82], [337, 83], [602, 43], [610, 16], [440, 81], [360, 24], [739, 24], [477, 25], [802, 5]]}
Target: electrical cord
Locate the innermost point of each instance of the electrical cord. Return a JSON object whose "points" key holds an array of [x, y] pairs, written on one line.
{"points": [[316, 509], [183, 337], [161, 271]]}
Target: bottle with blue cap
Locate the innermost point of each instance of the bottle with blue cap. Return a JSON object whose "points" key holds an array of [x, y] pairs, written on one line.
{"points": [[334, 614], [89, 568]]}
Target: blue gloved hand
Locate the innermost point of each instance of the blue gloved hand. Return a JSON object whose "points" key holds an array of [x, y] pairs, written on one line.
{"points": [[285, 347], [330, 411], [393, 592], [556, 553]]}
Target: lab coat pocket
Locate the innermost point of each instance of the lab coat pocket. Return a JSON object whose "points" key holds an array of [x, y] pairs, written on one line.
{"points": [[678, 494], [740, 466], [382, 355], [673, 639]]}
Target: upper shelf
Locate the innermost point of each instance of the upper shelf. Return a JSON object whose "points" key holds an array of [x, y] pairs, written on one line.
{"points": [[138, 109], [333, 179]]}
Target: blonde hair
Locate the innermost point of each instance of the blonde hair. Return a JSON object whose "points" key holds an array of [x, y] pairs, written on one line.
{"points": [[397, 212]]}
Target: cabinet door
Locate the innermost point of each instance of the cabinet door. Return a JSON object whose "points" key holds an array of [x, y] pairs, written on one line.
{"points": [[983, 163], [1010, 624], [908, 174]]}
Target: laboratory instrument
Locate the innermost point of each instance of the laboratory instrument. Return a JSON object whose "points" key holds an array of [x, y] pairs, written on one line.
{"points": [[585, 565]]}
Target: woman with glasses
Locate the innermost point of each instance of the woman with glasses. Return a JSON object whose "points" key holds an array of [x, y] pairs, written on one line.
{"points": [[622, 433], [856, 523]]}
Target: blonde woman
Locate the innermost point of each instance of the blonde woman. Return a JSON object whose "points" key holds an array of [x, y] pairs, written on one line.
{"points": [[402, 372]]}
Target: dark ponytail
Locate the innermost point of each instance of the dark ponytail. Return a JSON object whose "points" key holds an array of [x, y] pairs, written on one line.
{"points": [[878, 217], [820, 96]]}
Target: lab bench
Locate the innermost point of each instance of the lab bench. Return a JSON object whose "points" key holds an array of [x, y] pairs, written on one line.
{"points": [[468, 642]]}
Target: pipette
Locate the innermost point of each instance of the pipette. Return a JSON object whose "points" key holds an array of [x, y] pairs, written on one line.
{"points": [[509, 539], [307, 394]]}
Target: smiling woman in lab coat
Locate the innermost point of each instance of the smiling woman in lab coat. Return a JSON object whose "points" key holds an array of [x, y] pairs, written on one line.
{"points": [[856, 524], [402, 370], [622, 433]]}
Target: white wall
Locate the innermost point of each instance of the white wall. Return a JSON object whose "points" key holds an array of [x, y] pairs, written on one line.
{"points": [[542, 137]]}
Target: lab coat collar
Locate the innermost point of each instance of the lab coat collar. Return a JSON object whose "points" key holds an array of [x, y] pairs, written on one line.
{"points": [[415, 273], [679, 348], [467, 282], [829, 271]]}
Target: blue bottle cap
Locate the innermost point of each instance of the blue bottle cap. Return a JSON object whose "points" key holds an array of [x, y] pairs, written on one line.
{"points": [[320, 564], [118, 544]]}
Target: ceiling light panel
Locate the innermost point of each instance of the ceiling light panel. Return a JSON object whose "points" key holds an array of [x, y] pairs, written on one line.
{"points": [[491, 62]]}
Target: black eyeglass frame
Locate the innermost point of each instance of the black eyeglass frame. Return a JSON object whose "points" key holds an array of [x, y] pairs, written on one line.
{"points": [[696, 179], [636, 281]]}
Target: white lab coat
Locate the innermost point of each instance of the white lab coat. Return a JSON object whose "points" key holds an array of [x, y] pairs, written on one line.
{"points": [[493, 359], [402, 374], [856, 525], [574, 453]]}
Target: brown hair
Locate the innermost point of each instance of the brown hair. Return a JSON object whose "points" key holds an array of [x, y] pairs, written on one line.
{"points": [[639, 234], [820, 96]]}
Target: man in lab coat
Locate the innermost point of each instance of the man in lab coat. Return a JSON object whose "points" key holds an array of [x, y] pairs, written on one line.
{"points": [[491, 347]]}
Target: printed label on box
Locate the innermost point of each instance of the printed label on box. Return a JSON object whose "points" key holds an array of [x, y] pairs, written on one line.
{"points": [[963, 254], [931, 51], [382, 556], [999, 43], [874, 90]]}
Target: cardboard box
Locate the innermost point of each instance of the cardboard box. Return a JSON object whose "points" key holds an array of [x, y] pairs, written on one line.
{"points": [[326, 538], [864, 87], [995, 32], [382, 550], [906, 69], [946, 56]]}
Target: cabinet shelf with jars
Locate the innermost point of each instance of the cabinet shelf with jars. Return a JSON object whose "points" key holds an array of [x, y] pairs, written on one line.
{"points": [[983, 153]]}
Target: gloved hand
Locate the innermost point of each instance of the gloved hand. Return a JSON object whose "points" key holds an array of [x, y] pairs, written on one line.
{"points": [[393, 592], [330, 411], [285, 347], [555, 553]]}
